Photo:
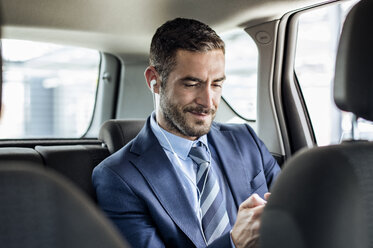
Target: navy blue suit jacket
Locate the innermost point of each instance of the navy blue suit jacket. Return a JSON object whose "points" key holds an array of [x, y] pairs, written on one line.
{"points": [[140, 191]]}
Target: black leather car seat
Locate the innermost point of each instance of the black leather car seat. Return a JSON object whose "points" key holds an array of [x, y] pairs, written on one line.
{"points": [[39, 208], [75, 162], [324, 196], [117, 133]]}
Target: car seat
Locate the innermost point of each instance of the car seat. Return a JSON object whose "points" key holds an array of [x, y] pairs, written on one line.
{"points": [[324, 196]]}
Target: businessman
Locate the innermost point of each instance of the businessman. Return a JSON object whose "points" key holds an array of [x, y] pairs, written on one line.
{"points": [[186, 181]]}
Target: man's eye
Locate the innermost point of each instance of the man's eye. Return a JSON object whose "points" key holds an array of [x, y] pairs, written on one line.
{"points": [[190, 85], [218, 85]]}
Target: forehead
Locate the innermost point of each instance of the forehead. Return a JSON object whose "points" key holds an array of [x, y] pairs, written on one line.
{"points": [[200, 63]]}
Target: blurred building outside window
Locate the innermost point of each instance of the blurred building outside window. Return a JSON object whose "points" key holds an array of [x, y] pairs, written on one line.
{"points": [[317, 43], [241, 66], [48, 90]]}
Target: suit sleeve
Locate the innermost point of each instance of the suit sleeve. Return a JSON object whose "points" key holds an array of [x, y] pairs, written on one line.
{"points": [[270, 165], [125, 209]]}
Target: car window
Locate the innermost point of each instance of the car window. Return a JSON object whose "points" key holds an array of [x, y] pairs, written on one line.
{"points": [[317, 43], [241, 66], [48, 90]]}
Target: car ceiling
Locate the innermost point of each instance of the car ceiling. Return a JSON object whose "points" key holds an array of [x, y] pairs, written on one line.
{"points": [[125, 27]]}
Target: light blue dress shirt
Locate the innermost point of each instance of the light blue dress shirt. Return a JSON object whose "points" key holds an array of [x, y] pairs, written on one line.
{"points": [[173, 146]]}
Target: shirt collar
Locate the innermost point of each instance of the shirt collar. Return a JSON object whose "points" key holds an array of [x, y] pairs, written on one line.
{"points": [[180, 145]]}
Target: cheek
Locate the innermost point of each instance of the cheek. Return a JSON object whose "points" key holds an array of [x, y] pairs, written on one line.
{"points": [[180, 99], [216, 99], [184, 98]]}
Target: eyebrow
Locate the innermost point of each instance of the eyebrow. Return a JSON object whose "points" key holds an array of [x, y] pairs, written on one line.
{"points": [[190, 78], [220, 79]]}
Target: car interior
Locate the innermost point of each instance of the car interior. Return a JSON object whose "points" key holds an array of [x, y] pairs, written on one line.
{"points": [[73, 92], [331, 184]]}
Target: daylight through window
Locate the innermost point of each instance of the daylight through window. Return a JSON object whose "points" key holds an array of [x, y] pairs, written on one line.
{"points": [[48, 90]]}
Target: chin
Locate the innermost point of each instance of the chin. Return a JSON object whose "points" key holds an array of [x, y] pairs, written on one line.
{"points": [[199, 129]]}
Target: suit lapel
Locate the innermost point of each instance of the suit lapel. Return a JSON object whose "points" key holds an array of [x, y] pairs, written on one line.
{"points": [[164, 181], [231, 162]]}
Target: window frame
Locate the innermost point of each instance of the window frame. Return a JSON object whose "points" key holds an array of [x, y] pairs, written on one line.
{"points": [[296, 119]]}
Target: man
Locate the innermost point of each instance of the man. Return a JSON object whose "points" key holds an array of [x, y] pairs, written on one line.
{"points": [[180, 182]]}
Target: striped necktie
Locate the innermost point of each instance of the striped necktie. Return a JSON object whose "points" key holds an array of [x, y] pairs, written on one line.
{"points": [[215, 220]]}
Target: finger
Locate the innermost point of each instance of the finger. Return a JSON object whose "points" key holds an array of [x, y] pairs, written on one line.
{"points": [[247, 225], [257, 211], [252, 214], [253, 201], [266, 196]]}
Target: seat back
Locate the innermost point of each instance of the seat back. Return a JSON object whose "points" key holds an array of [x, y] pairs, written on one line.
{"points": [[323, 197], [16, 155], [117, 133], [75, 162], [39, 208]]}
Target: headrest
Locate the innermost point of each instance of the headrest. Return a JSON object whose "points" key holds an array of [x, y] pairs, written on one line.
{"points": [[353, 84], [117, 133]]}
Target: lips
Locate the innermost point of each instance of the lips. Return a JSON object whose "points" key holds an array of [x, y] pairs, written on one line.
{"points": [[200, 115], [199, 111], [198, 118]]}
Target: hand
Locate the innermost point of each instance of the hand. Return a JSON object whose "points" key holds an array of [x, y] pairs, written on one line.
{"points": [[245, 232]]}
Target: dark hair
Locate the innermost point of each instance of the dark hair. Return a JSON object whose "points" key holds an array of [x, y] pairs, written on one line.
{"points": [[180, 33]]}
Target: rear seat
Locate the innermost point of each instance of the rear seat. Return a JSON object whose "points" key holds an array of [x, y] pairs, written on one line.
{"points": [[117, 133], [16, 155], [76, 162]]}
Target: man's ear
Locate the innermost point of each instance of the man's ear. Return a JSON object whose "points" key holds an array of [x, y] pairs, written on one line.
{"points": [[150, 75]]}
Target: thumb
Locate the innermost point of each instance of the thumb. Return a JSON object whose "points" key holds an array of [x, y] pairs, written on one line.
{"points": [[267, 195], [253, 201]]}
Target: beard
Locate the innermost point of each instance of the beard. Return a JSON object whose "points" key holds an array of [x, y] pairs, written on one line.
{"points": [[176, 117]]}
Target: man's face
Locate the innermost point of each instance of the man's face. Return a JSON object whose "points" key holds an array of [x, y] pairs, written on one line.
{"points": [[191, 95]]}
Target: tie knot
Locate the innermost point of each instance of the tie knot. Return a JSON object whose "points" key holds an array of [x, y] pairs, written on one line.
{"points": [[199, 154]]}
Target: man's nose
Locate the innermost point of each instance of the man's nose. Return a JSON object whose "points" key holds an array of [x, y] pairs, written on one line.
{"points": [[205, 97]]}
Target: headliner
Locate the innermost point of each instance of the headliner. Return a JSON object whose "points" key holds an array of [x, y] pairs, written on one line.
{"points": [[125, 27]]}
